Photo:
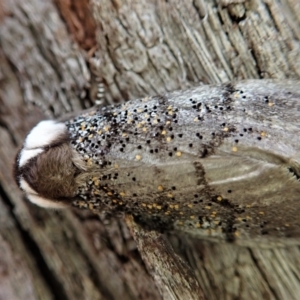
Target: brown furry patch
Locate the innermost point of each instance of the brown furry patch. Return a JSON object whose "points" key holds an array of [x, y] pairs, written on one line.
{"points": [[52, 173]]}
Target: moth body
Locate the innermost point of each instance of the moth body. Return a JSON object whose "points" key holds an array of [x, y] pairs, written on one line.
{"points": [[218, 162]]}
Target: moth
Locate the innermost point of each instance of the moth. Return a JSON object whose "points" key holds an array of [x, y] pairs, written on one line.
{"points": [[220, 162]]}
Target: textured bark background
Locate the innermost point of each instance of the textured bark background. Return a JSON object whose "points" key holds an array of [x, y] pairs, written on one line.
{"points": [[146, 48]]}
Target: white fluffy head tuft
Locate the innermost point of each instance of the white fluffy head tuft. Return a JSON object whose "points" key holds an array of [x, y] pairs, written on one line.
{"points": [[42, 135], [45, 203], [25, 187], [26, 155], [34, 198]]}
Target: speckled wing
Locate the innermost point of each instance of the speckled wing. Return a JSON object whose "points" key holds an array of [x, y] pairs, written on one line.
{"points": [[214, 161]]}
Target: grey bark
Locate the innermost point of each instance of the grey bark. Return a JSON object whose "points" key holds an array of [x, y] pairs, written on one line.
{"points": [[146, 48], [174, 279]]}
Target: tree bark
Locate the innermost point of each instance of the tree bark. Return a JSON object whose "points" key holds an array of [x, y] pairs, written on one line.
{"points": [[146, 48]]}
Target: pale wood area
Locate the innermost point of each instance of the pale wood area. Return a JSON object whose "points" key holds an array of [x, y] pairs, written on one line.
{"points": [[146, 48]]}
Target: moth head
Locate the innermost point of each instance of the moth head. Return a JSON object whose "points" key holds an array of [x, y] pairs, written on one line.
{"points": [[46, 166]]}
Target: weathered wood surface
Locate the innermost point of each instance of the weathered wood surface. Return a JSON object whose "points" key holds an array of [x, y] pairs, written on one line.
{"points": [[174, 278], [146, 48]]}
